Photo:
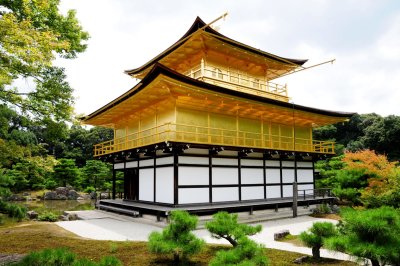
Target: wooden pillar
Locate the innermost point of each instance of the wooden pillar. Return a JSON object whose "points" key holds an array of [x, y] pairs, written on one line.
{"points": [[113, 184], [295, 195]]}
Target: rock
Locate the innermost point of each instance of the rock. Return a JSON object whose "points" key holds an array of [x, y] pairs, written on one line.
{"points": [[61, 197], [300, 260], [62, 191], [93, 195], [281, 234], [15, 197], [63, 218], [10, 259], [72, 217], [32, 215], [51, 195], [104, 195], [26, 194], [72, 195], [80, 198]]}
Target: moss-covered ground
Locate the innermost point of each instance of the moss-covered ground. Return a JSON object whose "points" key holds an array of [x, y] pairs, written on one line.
{"points": [[29, 236]]}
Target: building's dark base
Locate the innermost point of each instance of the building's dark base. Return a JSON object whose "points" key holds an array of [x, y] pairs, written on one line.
{"points": [[134, 208]]}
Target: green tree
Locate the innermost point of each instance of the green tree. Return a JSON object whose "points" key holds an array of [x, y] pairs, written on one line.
{"points": [[246, 253], [66, 172], [32, 33], [95, 174], [177, 237], [226, 226], [371, 234], [316, 235]]}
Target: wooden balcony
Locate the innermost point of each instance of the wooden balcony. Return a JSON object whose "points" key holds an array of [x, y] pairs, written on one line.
{"points": [[232, 79], [212, 136]]}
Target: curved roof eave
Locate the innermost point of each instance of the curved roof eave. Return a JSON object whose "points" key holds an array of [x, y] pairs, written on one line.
{"points": [[159, 69], [198, 24]]}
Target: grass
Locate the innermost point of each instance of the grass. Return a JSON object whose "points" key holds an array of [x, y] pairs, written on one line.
{"points": [[33, 236]]}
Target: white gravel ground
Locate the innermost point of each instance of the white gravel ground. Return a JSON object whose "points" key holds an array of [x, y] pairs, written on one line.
{"points": [[106, 226]]}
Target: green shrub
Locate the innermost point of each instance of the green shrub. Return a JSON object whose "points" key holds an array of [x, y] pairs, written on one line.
{"points": [[48, 216], [48, 257], [316, 235], [110, 261], [62, 257], [246, 253], [225, 225], [372, 234], [16, 211], [89, 189], [177, 238]]}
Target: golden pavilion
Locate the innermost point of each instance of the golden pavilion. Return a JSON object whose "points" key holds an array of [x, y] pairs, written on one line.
{"points": [[206, 126]]}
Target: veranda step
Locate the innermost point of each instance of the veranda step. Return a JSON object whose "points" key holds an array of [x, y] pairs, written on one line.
{"points": [[118, 210]]}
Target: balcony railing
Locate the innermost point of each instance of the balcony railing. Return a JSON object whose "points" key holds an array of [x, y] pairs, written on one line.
{"points": [[231, 79], [214, 136]]}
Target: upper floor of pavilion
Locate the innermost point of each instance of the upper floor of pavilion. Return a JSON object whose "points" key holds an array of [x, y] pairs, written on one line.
{"points": [[204, 54]]}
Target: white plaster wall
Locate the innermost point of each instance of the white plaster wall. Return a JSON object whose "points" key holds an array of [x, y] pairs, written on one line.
{"points": [[246, 162], [146, 183], [273, 192], [193, 160], [165, 184], [119, 166], [193, 195], [288, 163], [304, 175], [252, 176], [287, 175], [225, 194], [224, 176], [224, 161], [301, 187], [193, 175], [249, 193], [272, 163], [304, 164], [148, 162], [165, 160], [131, 164], [273, 176], [287, 191]]}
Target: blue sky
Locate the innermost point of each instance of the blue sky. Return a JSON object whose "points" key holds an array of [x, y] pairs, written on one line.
{"points": [[362, 35]]}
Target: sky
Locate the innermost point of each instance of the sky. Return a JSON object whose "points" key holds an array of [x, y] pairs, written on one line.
{"points": [[362, 35]]}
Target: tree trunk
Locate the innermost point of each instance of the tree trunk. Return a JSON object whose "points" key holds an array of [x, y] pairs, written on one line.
{"points": [[231, 240], [176, 258], [315, 252], [375, 262]]}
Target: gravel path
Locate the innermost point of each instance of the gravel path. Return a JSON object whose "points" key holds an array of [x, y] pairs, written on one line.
{"points": [[107, 226]]}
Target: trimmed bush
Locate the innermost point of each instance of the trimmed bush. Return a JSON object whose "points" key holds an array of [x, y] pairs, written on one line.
{"points": [[48, 216], [177, 238], [16, 211], [62, 257], [245, 253], [316, 235]]}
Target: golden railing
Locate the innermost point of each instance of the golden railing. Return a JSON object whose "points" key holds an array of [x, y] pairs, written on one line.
{"points": [[231, 79], [213, 136]]}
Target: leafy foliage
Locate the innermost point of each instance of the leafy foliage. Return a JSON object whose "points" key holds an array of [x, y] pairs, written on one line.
{"points": [[62, 257], [225, 225], [366, 131], [32, 33], [66, 171], [48, 216], [371, 234], [177, 238], [245, 253], [362, 177], [315, 236]]}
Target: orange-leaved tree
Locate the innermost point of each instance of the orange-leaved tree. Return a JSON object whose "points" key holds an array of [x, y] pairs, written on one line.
{"points": [[383, 177]]}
